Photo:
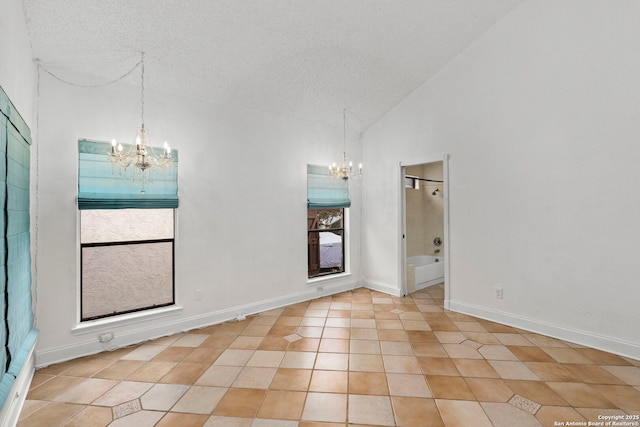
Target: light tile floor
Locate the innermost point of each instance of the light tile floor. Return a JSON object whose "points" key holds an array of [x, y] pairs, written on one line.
{"points": [[356, 358]]}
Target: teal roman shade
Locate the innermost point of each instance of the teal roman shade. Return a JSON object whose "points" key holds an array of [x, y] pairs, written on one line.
{"points": [[102, 185], [17, 334], [324, 191]]}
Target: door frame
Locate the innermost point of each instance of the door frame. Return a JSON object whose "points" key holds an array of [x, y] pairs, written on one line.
{"points": [[402, 241]]}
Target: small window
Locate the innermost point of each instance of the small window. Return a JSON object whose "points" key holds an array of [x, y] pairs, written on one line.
{"points": [[325, 241], [127, 261]]}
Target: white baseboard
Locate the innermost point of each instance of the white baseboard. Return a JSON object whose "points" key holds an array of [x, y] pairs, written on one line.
{"points": [[382, 287], [576, 336], [141, 332], [15, 399]]}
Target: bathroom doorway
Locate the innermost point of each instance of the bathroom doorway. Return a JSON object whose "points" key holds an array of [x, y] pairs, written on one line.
{"points": [[424, 243]]}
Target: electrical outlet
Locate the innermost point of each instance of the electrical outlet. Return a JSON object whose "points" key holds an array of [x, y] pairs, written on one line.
{"points": [[498, 293], [106, 337]]}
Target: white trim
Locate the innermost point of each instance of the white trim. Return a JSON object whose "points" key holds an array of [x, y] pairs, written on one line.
{"points": [[402, 242], [608, 344], [90, 345], [10, 412], [329, 278], [125, 319], [382, 287]]}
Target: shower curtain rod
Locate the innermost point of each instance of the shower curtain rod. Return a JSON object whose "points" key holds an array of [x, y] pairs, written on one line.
{"points": [[424, 179]]}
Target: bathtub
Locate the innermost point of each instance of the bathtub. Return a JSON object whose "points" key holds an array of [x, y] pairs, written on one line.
{"points": [[429, 270]]}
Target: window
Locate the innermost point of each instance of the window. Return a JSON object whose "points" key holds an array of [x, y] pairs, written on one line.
{"points": [[127, 261], [325, 241]]}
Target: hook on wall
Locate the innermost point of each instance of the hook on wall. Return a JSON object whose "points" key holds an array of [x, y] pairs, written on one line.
{"points": [[435, 191]]}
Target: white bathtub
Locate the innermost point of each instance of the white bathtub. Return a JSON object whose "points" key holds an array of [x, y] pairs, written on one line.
{"points": [[429, 270]]}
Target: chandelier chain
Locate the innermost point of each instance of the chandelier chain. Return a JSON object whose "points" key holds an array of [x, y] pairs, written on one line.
{"points": [[142, 90], [119, 79]]}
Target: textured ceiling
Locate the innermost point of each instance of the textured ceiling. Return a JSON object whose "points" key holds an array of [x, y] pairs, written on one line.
{"points": [[306, 59]]}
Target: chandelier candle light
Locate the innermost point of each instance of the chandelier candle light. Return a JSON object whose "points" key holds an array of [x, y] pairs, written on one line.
{"points": [[140, 154], [345, 170]]}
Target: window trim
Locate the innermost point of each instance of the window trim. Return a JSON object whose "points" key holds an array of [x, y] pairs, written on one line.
{"points": [[346, 259]]}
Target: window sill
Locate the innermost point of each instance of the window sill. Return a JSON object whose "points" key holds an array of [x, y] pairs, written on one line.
{"points": [[125, 319], [328, 278]]}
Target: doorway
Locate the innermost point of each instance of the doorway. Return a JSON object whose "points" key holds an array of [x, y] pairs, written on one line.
{"points": [[424, 239]]}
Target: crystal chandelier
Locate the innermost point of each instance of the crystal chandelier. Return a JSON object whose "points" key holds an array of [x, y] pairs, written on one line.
{"points": [[140, 154], [345, 169]]}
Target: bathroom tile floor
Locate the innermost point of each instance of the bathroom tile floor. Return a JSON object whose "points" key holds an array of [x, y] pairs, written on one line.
{"points": [[359, 358]]}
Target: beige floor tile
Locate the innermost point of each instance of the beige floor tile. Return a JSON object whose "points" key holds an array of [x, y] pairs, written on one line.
{"points": [[255, 377], [87, 391], [393, 335], [315, 408], [462, 413], [396, 348], [438, 366], [624, 397], [602, 357], [408, 385], [151, 371], [580, 395], [173, 354], [329, 381], [120, 369], [199, 400], [184, 373], [145, 352], [401, 364], [221, 421], [445, 337], [54, 413], [291, 379], [474, 368], [549, 415], [551, 371], [234, 357], [497, 352], [162, 397], [566, 355], [411, 411], [54, 388], [628, 374], [246, 343], [370, 410], [530, 354], [94, 416], [454, 388], [282, 405], [364, 334], [504, 414], [173, 419], [191, 340], [593, 374], [364, 347], [240, 402], [368, 383], [298, 359], [141, 418], [489, 389], [511, 370], [88, 366], [461, 351], [512, 339], [537, 391], [220, 376], [332, 361], [123, 392], [266, 359], [332, 345], [429, 349]]}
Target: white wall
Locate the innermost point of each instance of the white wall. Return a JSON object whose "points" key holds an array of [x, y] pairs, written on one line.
{"points": [[17, 70], [241, 225], [541, 117]]}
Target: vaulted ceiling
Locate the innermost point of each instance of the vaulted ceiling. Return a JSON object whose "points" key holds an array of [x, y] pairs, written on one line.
{"points": [[305, 59]]}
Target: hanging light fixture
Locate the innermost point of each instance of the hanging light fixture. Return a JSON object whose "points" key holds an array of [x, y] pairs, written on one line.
{"points": [[140, 154], [345, 170]]}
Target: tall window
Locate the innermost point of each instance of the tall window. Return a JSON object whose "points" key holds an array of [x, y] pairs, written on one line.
{"points": [[126, 236], [327, 197], [325, 237], [127, 261]]}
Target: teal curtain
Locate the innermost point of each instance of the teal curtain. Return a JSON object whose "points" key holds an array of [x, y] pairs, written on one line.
{"points": [[324, 191], [17, 334], [102, 185]]}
